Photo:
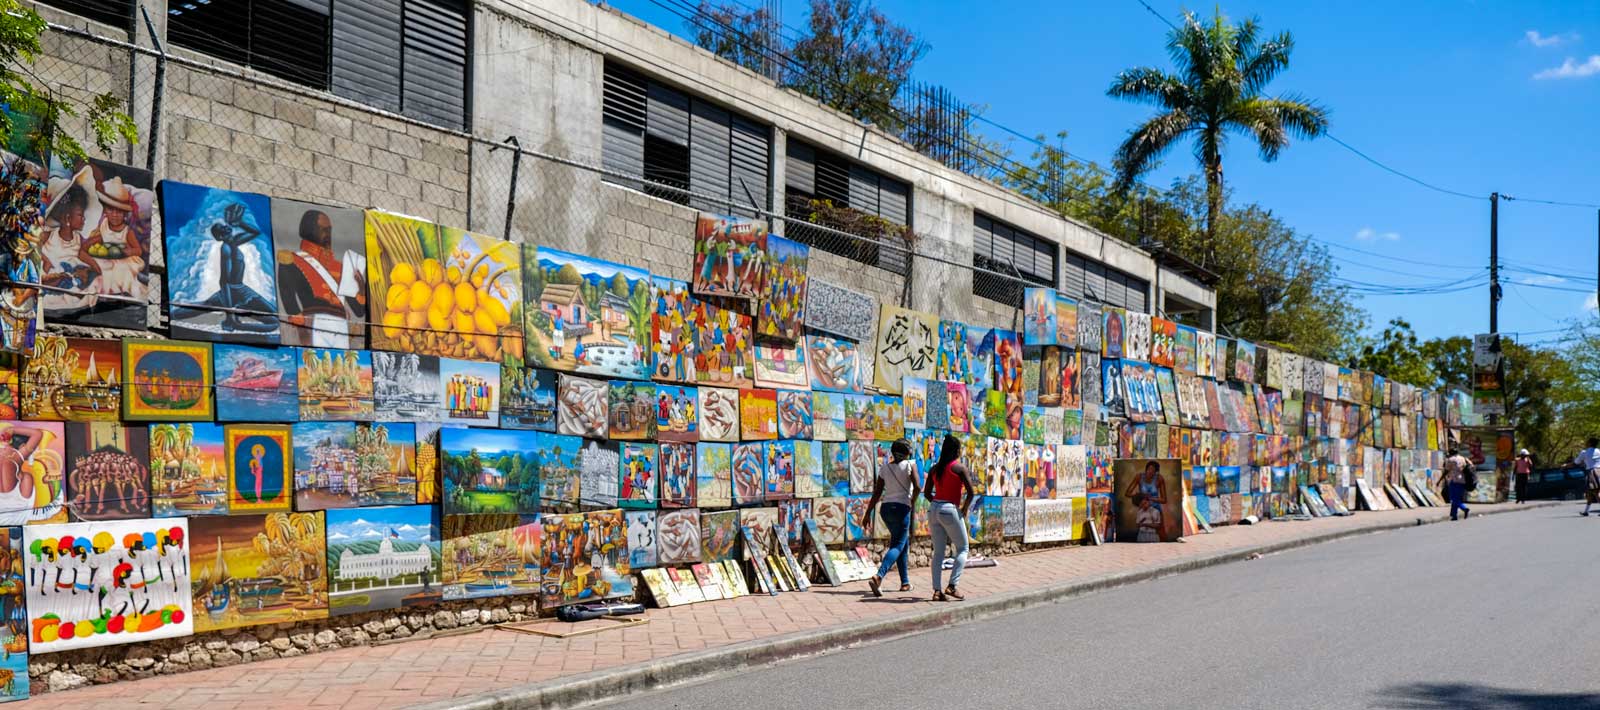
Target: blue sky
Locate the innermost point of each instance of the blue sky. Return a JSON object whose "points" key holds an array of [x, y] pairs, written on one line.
{"points": [[1458, 94]]}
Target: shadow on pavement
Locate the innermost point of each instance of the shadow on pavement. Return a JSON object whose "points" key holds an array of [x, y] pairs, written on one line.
{"points": [[1468, 696]]}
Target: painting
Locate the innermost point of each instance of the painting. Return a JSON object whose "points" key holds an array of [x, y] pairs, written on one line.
{"points": [[676, 413], [1114, 333], [1113, 399], [714, 475], [1038, 316], [719, 535], [1205, 355], [1066, 321], [72, 379], [1090, 326], [759, 524], [840, 312], [343, 465], [888, 418], [598, 464], [527, 398], [828, 416], [858, 417], [781, 310], [936, 406], [14, 632], [248, 570], [914, 403], [107, 582], [677, 475], [383, 558], [672, 328], [492, 471], [730, 256], [404, 270], [1184, 350], [107, 474], [256, 384], [758, 414], [1007, 363], [490, 555], [1047, 521], [188, 470], [779, 477], [322, 274], [469, 392], [631, 408], [581, 406], [862, 465], [722, 352], [795, 420], [639, 478], [678, 540], [1136, 336], [95, 244], [834, 364], [781, 365], [749, 473], [258, 458], [1163, 341], [335, 385], [809, 481], [591, 316], [405, 387], [584, 558], [560, 471], [855, 513], [1149, 499], [830, 515], [1242, 361], [907, 346], [167, 380], [641, 538], [1013, 514], [719, 414], [226, 289], [960, 407], [836, 468]]}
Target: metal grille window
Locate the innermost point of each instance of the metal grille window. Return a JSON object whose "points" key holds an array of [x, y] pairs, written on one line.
{"points": [[285, 38], [677, 142], [1087, 278], [1002, 248], [813, 174], [117, 13]]}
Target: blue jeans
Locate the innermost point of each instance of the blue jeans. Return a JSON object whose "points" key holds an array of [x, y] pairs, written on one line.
{"points": [[896, 518], [948, 529], [1458, 498]]}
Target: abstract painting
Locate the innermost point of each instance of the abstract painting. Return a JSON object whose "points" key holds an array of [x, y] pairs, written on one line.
{"points": [[907, 347], [781, 308], [248, 570], [383, 558], [72, 379], [581, 407], [469, 392], [749, 474], [835, 364], [95, 246], [1163, 341], [105, 583], [404, 270], [677, 475], [781, 365], [730, 255], [488, 471], [676, 413], [1047, 521], [678, 537], [166, 380], [719, 414], [936, 409], [256, 384], [107, 474], [641, 538], [639, 477], [795, 419], [491, 555], [259, 458], [631, 410], [758, 414], [719, 535], [527, 398], [586, 315], [714, 475], [322, 274], [226, 289], [405, 387], [598, 464], [188, 470], [335, 385], [840, 311]]}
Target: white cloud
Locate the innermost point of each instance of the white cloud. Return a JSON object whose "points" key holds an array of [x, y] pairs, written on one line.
{"points": [[1592, 303], [1542, 280], [1545, 41], [1368, 234], [1572, 69], [338, 536]]}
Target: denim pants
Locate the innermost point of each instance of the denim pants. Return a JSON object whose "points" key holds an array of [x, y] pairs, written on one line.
{"points": [[896, 518], [948, 529], [1458, 498]]}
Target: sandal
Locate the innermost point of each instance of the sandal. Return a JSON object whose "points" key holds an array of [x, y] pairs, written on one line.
{"points": [[876, 584], [907, 588], [939, 597], [953, 594]]}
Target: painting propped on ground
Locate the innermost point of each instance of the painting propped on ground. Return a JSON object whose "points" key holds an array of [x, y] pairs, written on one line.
{"points": [[382, 558], [107, 583], [226, 288]]}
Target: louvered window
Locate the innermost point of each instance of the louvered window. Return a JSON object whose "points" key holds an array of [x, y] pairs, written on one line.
{"points": [[814, 174], [1027, 259], [1082, 277], [117, 13]]}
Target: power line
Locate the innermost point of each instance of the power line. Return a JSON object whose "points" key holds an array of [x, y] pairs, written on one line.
{"points": [[1557, 203], [1394, 171]]}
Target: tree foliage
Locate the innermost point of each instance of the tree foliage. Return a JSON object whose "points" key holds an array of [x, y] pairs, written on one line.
{"points": [[24, 92]]}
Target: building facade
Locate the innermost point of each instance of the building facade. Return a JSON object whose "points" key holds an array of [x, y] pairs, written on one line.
{"points": [[386, 563]]}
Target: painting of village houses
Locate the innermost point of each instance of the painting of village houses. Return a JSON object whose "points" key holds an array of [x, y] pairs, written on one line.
{"points": [[593, 316], [496, 471], [342, 465]]}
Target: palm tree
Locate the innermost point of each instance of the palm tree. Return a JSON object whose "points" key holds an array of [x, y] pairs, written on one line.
{"points": [[1222, 70]]}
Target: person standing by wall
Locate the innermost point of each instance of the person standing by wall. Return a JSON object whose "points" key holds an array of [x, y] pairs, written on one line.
{"points": [[950, 492], [1455, 483], [1589, 460], [896, 487], [1521, 468]]}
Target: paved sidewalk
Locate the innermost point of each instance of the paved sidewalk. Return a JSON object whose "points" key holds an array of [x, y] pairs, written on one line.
{"points": [[432, 670]]}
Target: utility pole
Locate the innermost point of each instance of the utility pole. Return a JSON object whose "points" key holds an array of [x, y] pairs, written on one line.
{"points": [[1494, 262]]}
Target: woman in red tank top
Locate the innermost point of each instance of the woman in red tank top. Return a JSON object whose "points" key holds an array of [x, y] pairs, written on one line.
{"points": [[950, 493]]}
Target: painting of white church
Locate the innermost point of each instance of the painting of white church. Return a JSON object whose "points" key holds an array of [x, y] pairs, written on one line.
{"points": [[382, 558]]}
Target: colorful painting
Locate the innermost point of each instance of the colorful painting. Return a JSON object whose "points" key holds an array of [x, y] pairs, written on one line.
{"points": [[780, 471], [258, 457], [907, 347], [914, 403], [188, 470], [469, 392], [1047, 521], [72, 379], [1071, 471], [722, 352], [719, 414], [168, 380], [781, 365], [676, 413], [528, 398], [105, 583], [841, 312], [749, 473], [641, 538], [631, 408], [405, 387], [335, 385], [639, 485], [795, 420], [1150, 496], [383, 558], [598, 464], [1007, 363], [758, 414], [343, 465], [107, 477], [1136, 335], [493, 471], [322, 274], [809, 481], [1113, 399], [1038, 316], [1114, 333], [677, 475], [584, 558], [256, 384], [490, 555], [730, 256], [1163, 341], [960, 407], [1242, 361], [248, 570], [592, 316], [1066, 321], [1185, 351], [96, 243], [1205, 356], [719, 535], [714, 475], [403, 273], [226, 289], [673, 329], [781, 311], [835, 364], [14, 633], [828, 416]]}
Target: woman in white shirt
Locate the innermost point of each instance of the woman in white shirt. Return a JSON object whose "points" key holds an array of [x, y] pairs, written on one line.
{"points": [[896, 486], [1589, 460]]}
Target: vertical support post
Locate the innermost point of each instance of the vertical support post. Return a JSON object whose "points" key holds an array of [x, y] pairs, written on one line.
{"points": [[511, 190], [1494, 262], [154, 141]]}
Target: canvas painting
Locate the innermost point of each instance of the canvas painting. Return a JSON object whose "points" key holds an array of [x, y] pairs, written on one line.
{"points": [[758, 414], [188, 470], [677, 475], [907, 345], [1242, 361], [960, 407], [226, 288], [730, 255], [167, 380], [107, 473], [780, 473], [490, 555], [1007, 363], [598, 466], [952, 363], [259, 457], [836, 468], [759, 524], [322, 274], [527, 398], [749, 474], [406, 387], [639, 485], [914, 403], [936, 406], [1113, 400], [256, 384], [383, 558], [830, 515], [1090, 326], [641, 538], [106, 583], [1047, 521], [592, 317], [72, 379], [584, 558], [722, 350], [781, 311], [719, 535], [582, 406], [469, 392], [1184, 350], [672, 325], [560, 471], [1114, 334], [1013, 515], [678, 537], [714, 475], [809, 479], [631, 408], [404, 270], [792, 517], [676, 413], [888, 418], [335, 385], [1049, 370], [862, 465], [491, 471], [1150, 495], [1163, 342], [855, 513], [14, 633], [841, 312], [835, 364], [95, 244], [1039, 316], [1137, 334], [475, 311], [249, 570], [1205, 362], [344, 465], [781, 365], [858, 417], [719, 414], [795, 419]]}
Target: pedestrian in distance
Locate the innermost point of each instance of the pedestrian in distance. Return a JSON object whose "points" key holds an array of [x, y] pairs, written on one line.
{"points": [[896, 487], [1589, 460], [950, 493], [1456, 473], [1521, 468]]}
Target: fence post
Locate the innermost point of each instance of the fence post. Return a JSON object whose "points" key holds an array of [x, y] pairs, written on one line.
{"points": [[155, 92], [511, 190]]}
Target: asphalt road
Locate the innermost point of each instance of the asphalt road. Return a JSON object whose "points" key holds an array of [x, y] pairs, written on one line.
{"points": [[1492, 612]]}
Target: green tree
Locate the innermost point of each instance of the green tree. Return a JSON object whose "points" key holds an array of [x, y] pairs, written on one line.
{"points": [[1545, 389], [1221, 71], [24, 92], [747, 36], [1398, 355]]}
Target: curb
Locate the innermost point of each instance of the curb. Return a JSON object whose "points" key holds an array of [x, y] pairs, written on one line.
{"points": [[614, 683]]}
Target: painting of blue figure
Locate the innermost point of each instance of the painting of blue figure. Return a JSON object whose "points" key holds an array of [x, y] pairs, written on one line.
{"points": [[225, 288]]}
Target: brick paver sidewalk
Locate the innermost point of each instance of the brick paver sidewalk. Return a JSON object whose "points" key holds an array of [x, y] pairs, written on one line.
{"points": [[427, 670]]}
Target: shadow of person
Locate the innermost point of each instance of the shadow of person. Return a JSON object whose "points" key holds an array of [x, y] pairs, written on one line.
{"points": [[1470, 696]]}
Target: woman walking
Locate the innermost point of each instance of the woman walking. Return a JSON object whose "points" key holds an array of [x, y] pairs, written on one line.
{"points": [[896, 487], [950, 493]]}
